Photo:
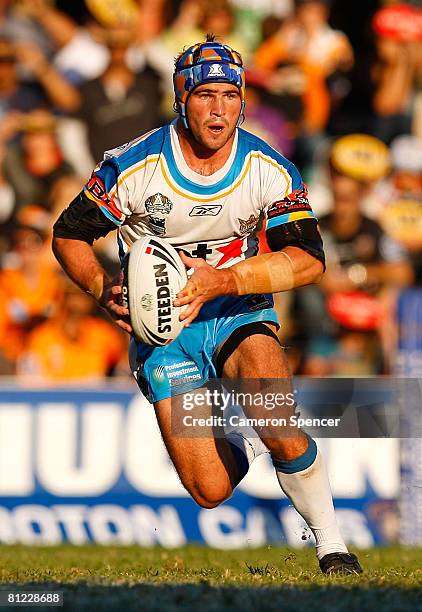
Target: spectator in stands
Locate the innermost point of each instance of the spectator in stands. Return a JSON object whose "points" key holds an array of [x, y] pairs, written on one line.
{"points": [[345, 320], [406, 161], [218, 18], [361, 157], [78, 55], [16, 25], [15, 95], [29, 289], [406, 153], [394, 76], [120, 103], [185, 26], [41, 86], [256, 21], [382, 95], [9, 126], [360, 255], [34, 161], [399, 198], [73, 344], [266, 122], [80, 50], [305, 51]]}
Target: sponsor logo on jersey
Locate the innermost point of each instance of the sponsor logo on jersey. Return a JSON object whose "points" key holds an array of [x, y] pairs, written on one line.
{"points": [[215, 71], [257, 302], [210, 210], [95, 190], [186, 379], [182, 372], [297, 201], [179, 365], [158, 374], [158, 203], [247, 225]]}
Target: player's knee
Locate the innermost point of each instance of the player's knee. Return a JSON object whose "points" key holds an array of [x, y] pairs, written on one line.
{"points": [[209, 495]]}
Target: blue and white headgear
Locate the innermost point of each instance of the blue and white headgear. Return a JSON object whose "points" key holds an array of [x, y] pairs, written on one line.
{"points": [[207, 62]]}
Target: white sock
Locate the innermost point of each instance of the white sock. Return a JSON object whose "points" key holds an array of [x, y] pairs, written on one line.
{"points": [[310, 493]]}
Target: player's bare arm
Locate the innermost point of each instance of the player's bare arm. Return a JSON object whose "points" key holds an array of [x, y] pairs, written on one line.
{"points": [[75, 231], [267, 273], [78, 259]]}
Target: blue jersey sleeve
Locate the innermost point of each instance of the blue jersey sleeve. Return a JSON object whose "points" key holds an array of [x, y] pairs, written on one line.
{"points": [[290, 220], [291, 207], [107, 189]]}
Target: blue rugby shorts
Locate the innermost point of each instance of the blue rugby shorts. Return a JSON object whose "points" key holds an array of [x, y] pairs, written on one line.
{"points": [[187, 362]]}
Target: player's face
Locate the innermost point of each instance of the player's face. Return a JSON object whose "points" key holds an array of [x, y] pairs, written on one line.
{"points": [[212, 112]]}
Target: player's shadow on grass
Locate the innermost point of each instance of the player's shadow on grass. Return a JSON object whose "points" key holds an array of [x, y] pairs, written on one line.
{"points": [[204, 597]]}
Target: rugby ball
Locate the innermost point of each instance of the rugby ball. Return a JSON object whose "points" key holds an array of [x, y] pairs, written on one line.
{"points": [[153, 274]]}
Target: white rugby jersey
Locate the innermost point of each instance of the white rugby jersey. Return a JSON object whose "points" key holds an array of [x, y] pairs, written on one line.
{"points": [[146, 188]]}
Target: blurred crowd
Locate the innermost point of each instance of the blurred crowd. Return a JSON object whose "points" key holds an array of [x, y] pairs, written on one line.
{"points": [[336, 86]]}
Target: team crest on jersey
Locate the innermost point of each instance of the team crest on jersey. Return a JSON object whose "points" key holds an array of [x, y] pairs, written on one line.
{"points": [[246, 226], [205, 210], [158, 203], [158, 225], [297, 201]]}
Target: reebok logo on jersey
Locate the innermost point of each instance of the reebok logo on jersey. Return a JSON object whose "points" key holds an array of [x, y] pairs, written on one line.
{"points": [[158, 225], [205, 211], [215, 71]]}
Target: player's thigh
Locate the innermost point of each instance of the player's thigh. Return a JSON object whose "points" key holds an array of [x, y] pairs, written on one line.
{"points": [[258, 356], [202, 459]]}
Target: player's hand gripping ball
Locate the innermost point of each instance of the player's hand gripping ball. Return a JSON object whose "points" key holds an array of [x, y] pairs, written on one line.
{"points": [[153, 274]]}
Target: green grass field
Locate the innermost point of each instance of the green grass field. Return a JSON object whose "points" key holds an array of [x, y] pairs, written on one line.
{"points": [[195, 578]]}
